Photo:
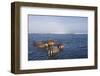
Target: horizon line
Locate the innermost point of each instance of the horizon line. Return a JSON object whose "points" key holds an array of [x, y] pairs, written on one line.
{"points": [[57, 33]]}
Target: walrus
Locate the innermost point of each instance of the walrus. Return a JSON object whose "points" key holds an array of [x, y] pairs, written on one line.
{"points": [[50, 46], [39, 44]]}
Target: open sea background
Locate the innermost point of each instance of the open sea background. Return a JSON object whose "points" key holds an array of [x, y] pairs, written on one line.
{"points": [[75, 46]]}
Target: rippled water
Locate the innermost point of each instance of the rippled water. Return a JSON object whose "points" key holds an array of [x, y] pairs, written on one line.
{"points": [[75, 46]]}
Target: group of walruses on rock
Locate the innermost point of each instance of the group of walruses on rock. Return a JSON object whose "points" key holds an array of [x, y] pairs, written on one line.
{"points": [[50, 45]]}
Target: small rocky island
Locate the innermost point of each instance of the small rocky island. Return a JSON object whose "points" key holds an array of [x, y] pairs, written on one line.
{"points": [[51, 46]]}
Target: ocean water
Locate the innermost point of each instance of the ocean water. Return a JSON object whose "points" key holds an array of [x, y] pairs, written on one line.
{"points": [[75, 46]]}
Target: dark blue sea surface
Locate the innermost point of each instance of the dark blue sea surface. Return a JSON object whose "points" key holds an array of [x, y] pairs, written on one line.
{"points": [[75, 46]]}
